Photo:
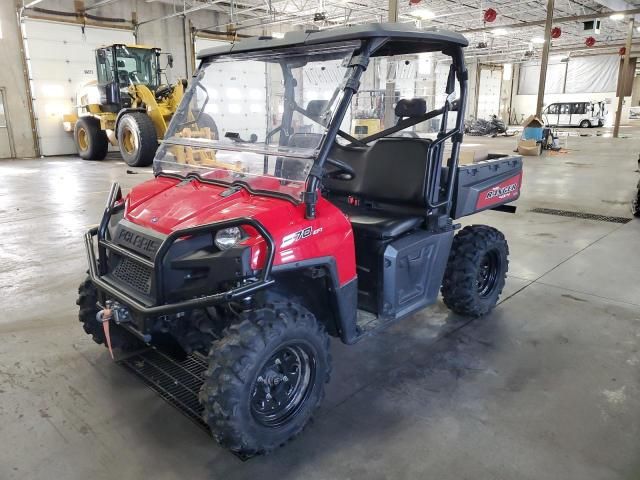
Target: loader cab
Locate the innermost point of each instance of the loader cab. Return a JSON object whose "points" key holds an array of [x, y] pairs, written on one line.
{"points": [[121, 66]]}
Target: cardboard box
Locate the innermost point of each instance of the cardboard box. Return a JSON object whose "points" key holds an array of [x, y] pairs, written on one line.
{"points": [[532, 128], [529, 148], [469, 155], [533, 121]]}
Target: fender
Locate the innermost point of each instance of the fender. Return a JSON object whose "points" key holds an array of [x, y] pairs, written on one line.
{"points": [[343, 300]]}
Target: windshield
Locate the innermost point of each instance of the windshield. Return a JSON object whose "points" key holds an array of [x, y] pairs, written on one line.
{"points": [[258, 118], [137, 66]]}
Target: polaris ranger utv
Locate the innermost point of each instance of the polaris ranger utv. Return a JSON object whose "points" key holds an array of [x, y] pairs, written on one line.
{"points": [[253, 248]]}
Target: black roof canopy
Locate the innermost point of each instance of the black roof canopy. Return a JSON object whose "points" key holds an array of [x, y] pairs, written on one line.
{"points": [[402, 39]]}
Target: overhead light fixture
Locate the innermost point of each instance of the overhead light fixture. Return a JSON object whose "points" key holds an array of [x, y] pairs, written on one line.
{"points": [[277, 34], [537, 40], [423, 14], [617, 16], [498, 32]]}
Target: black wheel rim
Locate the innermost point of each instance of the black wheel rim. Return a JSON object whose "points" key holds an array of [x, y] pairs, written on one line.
{"points": [[283, 385], [488, 273]]}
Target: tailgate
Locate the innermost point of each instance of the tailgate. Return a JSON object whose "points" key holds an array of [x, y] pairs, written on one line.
{"points": [[487, 184]]}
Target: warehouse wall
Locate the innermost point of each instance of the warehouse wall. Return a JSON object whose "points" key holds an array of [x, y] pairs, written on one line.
{"points": [[526, 104], [12, 78]]}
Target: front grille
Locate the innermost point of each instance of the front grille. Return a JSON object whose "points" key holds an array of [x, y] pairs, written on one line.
{"points": [[134, 275]]}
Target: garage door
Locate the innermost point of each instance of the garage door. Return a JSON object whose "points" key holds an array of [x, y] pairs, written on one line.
{"points": [[6, 145], [61, 60], [238, 96], [489, 92], [202, 43]]}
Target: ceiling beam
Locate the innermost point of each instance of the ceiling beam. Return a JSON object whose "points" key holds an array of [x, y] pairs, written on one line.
{"points": [[99, 4], [31, 4], [573, 18]]}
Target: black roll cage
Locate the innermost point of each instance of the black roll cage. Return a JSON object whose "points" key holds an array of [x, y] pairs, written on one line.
{"points": [[358, 64]]}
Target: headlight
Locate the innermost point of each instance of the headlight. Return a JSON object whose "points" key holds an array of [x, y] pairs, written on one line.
{"points": [[228, 237]]}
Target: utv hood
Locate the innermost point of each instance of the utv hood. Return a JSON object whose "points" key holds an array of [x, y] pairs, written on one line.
{"points": [[167, 204]]}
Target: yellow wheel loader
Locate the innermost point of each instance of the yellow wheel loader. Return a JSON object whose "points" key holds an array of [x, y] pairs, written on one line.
{"points": [[127, 106], [368, 113]]}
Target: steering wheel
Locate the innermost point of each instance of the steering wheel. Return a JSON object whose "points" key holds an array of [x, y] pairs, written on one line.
{"points": [[133, 76], [343, 171], [164, 91]]}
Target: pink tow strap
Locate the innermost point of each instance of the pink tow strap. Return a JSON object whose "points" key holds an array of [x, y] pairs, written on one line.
{"points": [[106, 316]]}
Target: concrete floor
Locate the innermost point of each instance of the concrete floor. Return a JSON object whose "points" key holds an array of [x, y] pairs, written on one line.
{"points": [[546, 387]]}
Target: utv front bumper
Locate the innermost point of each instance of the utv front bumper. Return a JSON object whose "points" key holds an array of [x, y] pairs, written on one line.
{"points": [[159, 305]]}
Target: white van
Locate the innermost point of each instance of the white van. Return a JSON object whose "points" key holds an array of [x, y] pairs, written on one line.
{"points": [[575, 114]]}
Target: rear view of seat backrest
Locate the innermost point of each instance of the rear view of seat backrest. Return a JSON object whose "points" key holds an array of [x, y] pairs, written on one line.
{"points": [[393, 170]]}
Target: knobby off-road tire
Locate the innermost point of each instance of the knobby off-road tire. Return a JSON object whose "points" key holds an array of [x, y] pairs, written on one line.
{"points": [[120, 338], [137, 139], [91, 141], [635, 204], [476, 270], [280, 349]]}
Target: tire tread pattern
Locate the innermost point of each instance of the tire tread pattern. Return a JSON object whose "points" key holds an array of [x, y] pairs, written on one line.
{"points": [[87, 301], [147, 137], [459, 289], [231, 361], [97, 138]]}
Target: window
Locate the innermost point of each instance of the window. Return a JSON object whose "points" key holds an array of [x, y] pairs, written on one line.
{"points": [[103, 63], [552, 109], [565, 108], [579, 109]]}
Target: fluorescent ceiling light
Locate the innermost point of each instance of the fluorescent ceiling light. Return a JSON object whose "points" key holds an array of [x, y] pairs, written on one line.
{"points": [[277, 34], [499, 31], [617, 16], [538, 40], [423, 13]]}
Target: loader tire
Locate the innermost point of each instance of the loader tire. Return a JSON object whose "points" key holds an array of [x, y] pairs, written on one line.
{"points": [[137, 139], [91, 141], [205, 121]]}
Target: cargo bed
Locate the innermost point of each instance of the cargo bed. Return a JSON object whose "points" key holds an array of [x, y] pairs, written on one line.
{"points": [[487, 184]]}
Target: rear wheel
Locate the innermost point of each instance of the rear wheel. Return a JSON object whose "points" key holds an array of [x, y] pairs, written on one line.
{"points": [[265, 378], [476, 271], [585, 124], [87, 301], [91, 140], [205, 121], [137, 139]]}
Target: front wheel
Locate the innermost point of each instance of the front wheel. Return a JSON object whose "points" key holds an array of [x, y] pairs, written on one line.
{"points": [[476, 271], [585, 124], [265, 378], [137, 139], [87, 301]]}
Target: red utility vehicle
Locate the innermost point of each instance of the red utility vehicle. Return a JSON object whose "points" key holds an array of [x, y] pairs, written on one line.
{"points": [[252, 249]]}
